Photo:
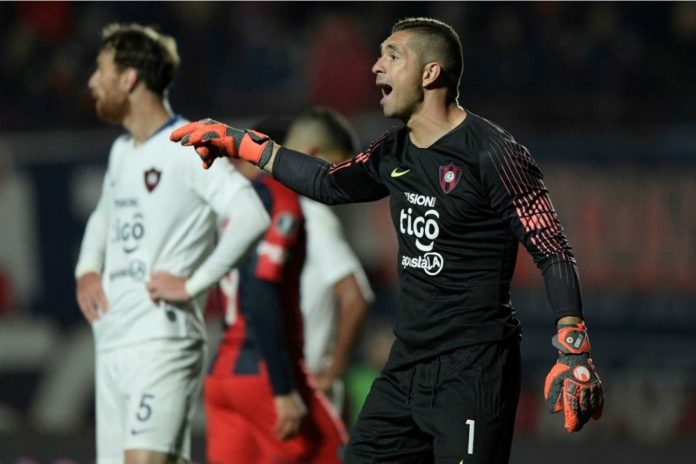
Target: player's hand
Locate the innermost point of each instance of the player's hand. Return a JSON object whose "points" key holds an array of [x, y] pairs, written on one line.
{"points": [[324, 379], [572, 385], [212, 139], [90, 296], [168, 287], [290, 410]]}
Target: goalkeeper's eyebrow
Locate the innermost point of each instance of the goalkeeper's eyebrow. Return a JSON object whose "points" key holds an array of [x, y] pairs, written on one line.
{"points": [[390, 47]]}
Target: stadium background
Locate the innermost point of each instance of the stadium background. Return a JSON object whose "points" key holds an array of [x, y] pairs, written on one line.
{"points": [[603, 94]]}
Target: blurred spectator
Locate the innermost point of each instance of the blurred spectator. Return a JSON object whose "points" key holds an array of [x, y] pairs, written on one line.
{"points": [[18, 271], [614, 61], [683, 35], [340, 64], [51, 21]]}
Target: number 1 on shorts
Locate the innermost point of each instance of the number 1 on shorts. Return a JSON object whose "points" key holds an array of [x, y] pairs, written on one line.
{"points": [[472, 424]]}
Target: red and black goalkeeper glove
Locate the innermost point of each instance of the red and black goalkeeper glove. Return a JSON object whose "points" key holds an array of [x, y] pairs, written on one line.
{"points": [[212, 139], [573, 385]]}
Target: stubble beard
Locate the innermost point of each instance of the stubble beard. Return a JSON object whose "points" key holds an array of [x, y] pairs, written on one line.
{"points": [[111, 110], [400, 112]]}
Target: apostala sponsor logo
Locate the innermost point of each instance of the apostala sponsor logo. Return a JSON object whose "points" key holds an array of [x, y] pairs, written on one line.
{"points": [[431, 263], [137, 270]]}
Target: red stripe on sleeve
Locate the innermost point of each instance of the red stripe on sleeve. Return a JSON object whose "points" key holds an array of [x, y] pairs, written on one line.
{"points": [[522, 180]]}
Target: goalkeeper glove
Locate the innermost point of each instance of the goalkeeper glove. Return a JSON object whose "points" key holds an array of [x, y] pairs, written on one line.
{"points": [[573, 385], [212, 139]]}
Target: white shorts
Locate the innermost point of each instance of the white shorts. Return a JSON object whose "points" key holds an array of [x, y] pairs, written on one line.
{"points": [[145, 398]]}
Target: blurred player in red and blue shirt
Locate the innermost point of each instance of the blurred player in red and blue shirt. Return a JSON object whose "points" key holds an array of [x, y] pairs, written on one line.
{"points": [[260, 407]]}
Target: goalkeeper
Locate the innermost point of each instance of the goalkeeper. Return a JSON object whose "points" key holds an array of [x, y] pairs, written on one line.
{"points": [[463, 194]]}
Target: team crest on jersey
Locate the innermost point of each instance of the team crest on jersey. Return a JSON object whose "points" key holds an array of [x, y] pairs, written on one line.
{"points": [[152, 178], [449, 177]]}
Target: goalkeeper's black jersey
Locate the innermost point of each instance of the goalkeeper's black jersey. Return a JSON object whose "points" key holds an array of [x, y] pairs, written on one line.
{"points": [[459, 207]]}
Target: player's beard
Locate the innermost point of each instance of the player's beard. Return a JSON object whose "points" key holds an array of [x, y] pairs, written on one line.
{"points": [[112, 108], [401, 109]]}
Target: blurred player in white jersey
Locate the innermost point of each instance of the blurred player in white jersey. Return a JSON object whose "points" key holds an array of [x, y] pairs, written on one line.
{"points": [[149, 255], [335, 292]]}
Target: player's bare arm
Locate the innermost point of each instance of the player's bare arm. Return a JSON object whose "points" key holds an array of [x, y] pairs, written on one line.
{"points": [[90, 296], [352, 309]]}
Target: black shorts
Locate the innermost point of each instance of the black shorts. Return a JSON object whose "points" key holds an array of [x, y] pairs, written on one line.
{"points": [[456, 408]]}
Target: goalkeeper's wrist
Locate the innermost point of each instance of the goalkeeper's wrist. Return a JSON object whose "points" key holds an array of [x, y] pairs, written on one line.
{"points": [[87, 267], [568, 320]]}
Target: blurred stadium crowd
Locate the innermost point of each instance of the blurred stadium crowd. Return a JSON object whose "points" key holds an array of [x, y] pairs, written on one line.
{"points": [[541, 60], [603, 94]]}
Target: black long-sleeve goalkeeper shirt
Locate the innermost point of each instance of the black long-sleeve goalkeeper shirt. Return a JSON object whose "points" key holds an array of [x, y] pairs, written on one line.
{"points": [[460, 207]]}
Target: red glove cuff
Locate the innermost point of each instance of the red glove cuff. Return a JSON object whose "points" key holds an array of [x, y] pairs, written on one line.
{"points": [[256, 148], [572, 339]]}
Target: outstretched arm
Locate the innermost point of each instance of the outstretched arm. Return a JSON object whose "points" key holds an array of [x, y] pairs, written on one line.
{"points": [[353, 181]]}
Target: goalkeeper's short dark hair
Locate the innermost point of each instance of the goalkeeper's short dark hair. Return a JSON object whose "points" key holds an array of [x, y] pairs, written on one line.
{"points": [[152, 54], [438, 42]]}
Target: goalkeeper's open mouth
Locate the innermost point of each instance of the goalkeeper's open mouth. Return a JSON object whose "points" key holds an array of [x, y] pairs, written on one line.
{"points": [[386, 90]]}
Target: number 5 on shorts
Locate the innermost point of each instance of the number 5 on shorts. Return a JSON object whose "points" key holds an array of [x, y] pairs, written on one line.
{"points": [[144, 409]]}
